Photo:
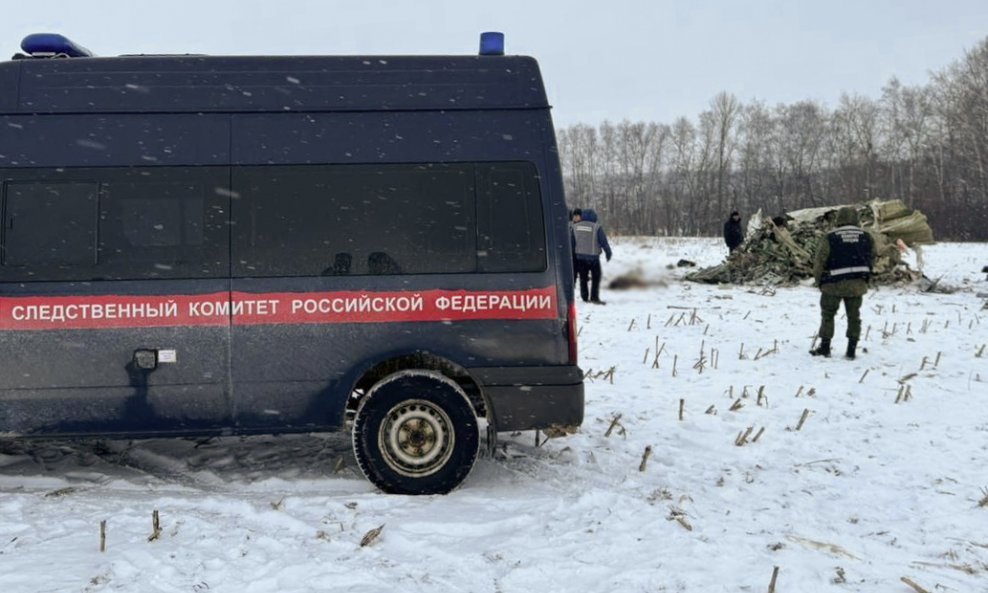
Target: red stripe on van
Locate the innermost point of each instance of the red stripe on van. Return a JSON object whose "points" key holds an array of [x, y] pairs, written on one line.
{"points": [[110, 311], [218, 309]]}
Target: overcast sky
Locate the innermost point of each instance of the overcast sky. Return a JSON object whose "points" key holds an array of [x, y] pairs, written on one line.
{"points": [[651, 60]]}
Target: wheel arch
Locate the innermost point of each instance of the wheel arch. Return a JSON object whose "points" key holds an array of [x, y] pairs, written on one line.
{"points": [[419, 360]]}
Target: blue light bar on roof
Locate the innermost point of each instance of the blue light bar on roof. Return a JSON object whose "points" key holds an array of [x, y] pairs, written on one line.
{"points": [[492, 44], [53, 44]]}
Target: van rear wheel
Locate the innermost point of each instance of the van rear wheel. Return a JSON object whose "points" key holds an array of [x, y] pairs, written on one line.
{"points": [[416, 433]]}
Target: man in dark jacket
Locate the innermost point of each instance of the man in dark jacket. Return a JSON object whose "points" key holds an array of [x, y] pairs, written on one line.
{"points": [[588, 239], [733, 235], [841, 268]]}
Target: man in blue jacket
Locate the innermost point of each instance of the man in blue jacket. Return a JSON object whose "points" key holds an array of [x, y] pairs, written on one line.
{"points": [[588, 239]]}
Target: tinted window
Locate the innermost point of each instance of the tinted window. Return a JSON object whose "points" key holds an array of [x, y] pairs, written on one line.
{"points": [[107, 223], [172, 222], [49, 225], [510, 219], [169, 223], [387, 219]]}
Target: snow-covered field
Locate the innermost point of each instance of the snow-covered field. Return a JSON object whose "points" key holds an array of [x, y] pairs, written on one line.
{"points": [[853, 474]]}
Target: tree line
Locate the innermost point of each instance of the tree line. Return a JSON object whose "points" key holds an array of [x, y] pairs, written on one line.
{"points": [[926, 145]]}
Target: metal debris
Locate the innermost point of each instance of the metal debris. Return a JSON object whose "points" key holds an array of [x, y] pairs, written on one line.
{"points": [[779, 250]]}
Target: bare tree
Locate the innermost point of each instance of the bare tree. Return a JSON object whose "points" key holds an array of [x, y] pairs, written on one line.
{"points": [[578, 148], [926, 144], [756, 155], [726, 111]]}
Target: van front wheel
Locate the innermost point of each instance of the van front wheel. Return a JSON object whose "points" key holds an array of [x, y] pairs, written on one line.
{"points": [[416, 433]]}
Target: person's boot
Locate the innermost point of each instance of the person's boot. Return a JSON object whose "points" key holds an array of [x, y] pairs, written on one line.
{"points": [[852, 345], [823, 349]]}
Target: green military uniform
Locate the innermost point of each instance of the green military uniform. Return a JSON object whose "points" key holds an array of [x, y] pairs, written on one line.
{"points": [[841, 268]]}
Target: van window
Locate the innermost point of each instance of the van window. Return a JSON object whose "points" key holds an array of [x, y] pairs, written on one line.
{"points": [[116, 223], [171, 222], [168, 222], [49, 225], [510, 219], [387, 219]]}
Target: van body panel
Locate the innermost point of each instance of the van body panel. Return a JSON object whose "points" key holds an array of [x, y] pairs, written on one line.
{"points": [[119, 140], [202, 84], [390, 137], [76, 381]]}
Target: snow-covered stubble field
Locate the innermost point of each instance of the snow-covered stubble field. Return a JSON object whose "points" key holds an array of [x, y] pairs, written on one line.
{"points": [[846, 475]]}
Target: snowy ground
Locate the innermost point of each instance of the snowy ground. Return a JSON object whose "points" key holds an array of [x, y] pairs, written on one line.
{"points": [[867, 491]]}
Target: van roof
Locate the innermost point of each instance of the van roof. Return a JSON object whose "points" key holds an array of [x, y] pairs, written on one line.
{"points": [[192, 83]]}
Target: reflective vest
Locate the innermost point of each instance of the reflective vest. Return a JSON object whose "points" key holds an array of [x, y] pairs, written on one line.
{"points": [[850, 255], [586, 238]]}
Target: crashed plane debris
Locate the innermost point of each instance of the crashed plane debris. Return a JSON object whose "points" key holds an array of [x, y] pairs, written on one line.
{"points": [[779, 250]]}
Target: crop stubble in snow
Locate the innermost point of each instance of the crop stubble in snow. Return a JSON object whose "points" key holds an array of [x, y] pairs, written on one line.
{"points": [[866, 492]]}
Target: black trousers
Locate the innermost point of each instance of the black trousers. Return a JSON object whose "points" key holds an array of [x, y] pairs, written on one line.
{"points": [[589, 268]]}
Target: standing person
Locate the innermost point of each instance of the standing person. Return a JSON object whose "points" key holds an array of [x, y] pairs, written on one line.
{"points": [[733, 235], [589, 239], [574, 217], [841, 268]]}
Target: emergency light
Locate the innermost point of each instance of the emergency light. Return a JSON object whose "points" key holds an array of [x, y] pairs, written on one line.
{"points": [[41, 45], [492, 44]]}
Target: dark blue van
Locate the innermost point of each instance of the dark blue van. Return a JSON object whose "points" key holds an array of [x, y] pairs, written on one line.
{"points": [[198, 245]]}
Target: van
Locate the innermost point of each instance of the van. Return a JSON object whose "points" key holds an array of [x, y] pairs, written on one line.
{"points": [[196, 245]]}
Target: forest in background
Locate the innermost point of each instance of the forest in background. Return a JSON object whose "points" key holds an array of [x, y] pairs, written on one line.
{"points": [[926, 145]]}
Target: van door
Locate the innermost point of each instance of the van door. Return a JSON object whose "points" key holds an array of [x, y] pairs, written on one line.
{"points": [[114, 300]]}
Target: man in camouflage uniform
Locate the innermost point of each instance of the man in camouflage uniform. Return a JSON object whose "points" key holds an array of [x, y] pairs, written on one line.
{"points": [[842, 267]]}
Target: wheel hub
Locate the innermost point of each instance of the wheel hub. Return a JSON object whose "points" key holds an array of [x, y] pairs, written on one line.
{"points": [[416, 438]]}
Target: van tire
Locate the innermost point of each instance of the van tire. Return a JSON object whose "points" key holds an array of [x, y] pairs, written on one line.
{"points": [[416, 432]]}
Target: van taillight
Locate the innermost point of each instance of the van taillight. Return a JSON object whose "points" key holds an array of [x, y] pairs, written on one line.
{"points": [[571, 326]]}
